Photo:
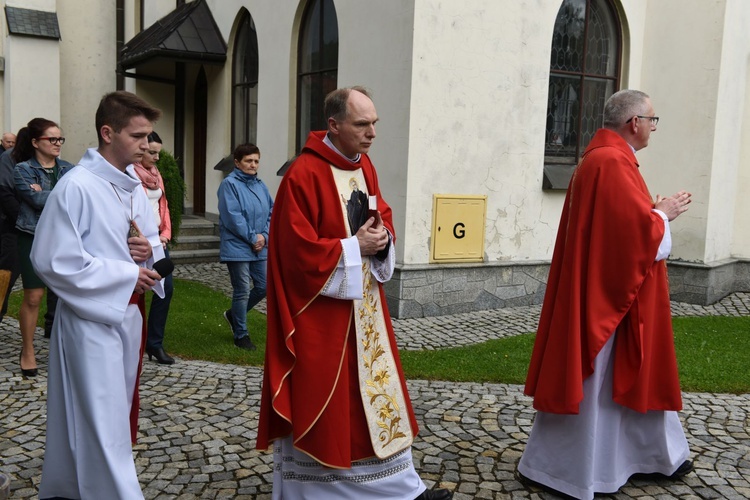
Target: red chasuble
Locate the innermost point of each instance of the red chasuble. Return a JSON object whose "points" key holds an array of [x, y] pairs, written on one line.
{"points": [[603, 278], [310, 382]]}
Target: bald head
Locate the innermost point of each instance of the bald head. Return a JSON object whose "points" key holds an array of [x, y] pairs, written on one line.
{"points": [[351, 119], [8, 140]]}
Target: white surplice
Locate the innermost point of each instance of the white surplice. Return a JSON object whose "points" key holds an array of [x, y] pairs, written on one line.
{"points": [[81, 252], [597, 450]]}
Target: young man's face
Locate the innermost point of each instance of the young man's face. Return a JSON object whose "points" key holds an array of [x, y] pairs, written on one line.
{"points": [[128, 145]]}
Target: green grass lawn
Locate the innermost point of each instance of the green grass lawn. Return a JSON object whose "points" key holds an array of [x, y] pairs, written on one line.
{"points": [[713, 352]]}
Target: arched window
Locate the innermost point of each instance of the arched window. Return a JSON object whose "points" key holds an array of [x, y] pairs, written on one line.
{"points": [[317, 71], [584, 73], [245, 83]]}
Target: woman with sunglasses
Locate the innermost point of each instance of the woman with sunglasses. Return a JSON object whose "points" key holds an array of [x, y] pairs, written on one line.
{"points": [[38, 168]]}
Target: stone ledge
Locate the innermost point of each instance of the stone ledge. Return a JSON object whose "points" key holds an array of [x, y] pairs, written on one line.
{"points": [[425, 290]]}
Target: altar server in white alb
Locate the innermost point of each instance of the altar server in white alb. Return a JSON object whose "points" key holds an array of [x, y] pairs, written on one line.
{"points": [[95, 245]]}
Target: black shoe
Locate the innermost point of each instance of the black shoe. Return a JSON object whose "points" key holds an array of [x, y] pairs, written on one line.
{"points": [[685, 468], [230, 319], [244, 343], [441, 494], [530, 482], [31, 372], [161, 356]]}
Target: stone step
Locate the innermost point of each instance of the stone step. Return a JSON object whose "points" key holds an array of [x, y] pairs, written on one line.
{"points": [[190, 242], [198, 241], [196, 226], [194, 256]]}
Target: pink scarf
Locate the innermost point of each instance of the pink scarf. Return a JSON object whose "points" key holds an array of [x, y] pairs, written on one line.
{"points": [[148, 176]]}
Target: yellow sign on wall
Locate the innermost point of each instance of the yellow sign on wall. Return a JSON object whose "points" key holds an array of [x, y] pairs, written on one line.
{"points": [[458, 228]]}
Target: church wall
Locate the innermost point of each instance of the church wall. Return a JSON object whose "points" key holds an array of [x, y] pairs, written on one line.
{"points": [[681, 71], [461, 91], [31, 97], [87, 64]]}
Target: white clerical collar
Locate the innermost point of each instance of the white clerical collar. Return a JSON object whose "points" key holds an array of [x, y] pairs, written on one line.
{"points": [[328, 143]]}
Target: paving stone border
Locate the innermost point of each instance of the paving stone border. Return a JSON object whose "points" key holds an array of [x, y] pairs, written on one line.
{"points": [[199, 420]]}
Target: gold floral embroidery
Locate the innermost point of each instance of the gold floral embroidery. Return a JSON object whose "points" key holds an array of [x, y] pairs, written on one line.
{"points": [[378, 370]]}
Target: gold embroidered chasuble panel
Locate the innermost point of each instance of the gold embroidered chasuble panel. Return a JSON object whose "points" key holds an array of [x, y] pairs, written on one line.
{"points": [[379, 383]]}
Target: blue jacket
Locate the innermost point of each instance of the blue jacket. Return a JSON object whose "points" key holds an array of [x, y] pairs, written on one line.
{"points": [[244, 212], [32, 202]]}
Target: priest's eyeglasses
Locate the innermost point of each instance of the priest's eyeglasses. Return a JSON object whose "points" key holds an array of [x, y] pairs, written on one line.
{"points": [[654, 119], [55, 140]]}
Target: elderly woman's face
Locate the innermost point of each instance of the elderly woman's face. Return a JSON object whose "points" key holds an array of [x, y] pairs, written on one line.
{"points": [[249, 163]]}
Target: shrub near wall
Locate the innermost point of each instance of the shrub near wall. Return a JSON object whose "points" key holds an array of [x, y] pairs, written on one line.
{"points": [[174, 185]]}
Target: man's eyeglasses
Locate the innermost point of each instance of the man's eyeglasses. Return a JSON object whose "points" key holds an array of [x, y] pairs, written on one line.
{"points": [[54, 140], [654, 119]]}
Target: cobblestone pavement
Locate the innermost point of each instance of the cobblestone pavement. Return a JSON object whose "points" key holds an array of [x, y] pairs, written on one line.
{"points": [[199, 420]]}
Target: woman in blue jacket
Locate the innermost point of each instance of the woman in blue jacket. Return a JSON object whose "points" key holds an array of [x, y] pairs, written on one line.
{"points": [[244, 217], [38, 168]]}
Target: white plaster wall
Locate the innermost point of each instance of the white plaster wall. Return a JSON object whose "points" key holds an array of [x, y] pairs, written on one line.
{"points": [[681, 71], [26, 95], [18, 51], [378, 55], [479, 98], [461, 91], [384, 67], [632, 15], [741, 240], [160, 95], [726, 166], [277, 42], [45, 5], [155, 10], [87, 71], [737, 41]]}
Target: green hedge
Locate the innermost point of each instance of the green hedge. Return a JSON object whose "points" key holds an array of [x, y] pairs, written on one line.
{"points": [[174, 185]]}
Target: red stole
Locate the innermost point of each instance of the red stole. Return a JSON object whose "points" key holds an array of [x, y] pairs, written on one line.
{"points": [[310, 385], [603, 277], [138, 298]]}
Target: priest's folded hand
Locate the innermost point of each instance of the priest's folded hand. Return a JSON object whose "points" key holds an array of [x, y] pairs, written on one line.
{"points": [[372, 238]]}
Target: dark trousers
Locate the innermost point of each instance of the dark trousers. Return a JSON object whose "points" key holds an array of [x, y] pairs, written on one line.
{"points": [[9, 261], [157, 314], [49, 316]]}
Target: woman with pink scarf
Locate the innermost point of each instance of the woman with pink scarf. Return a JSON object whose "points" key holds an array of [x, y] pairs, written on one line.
{"points": [[154, 186]]}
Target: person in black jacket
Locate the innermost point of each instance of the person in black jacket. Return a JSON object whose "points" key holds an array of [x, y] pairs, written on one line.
{"points": [[8, 231]]}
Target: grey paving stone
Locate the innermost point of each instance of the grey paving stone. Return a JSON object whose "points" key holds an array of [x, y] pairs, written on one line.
{"points": [[198, 420]]}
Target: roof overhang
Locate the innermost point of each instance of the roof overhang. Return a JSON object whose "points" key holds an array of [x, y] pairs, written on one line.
{"points": [[187, 34]]}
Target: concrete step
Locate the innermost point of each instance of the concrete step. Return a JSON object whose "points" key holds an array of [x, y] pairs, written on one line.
{"points": [[194, 256], [190, 242], [197, 226], [198, 241]]}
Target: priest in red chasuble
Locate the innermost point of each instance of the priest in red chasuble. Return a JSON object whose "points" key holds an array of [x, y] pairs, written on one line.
{"points": [[603, 372], [334, 404]]}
